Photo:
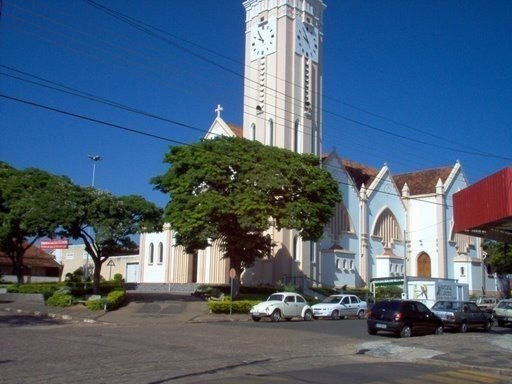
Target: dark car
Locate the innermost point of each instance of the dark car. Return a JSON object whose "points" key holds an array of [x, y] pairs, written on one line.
{"points": [[462, 315], [403, 318]]}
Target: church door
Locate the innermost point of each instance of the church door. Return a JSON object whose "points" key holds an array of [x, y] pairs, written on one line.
{"points": [[424, 265]]}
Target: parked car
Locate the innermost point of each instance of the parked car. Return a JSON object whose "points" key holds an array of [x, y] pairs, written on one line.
{"points": [[404, 318], [486, 303], [281, 305], [340, 306], [502, 312], [462, 315]]}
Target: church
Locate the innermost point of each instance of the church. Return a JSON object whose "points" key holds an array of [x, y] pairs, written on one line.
{"points": [[386, 227]]}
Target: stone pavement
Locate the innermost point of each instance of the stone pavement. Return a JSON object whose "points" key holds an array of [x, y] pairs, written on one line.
{"points": [[477, 350]]}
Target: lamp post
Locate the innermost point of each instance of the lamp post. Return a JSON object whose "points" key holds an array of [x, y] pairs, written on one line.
{"points": [[94, 158]]}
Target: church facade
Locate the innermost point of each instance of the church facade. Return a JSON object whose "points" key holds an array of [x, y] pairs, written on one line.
{"points": [[387, 226]]}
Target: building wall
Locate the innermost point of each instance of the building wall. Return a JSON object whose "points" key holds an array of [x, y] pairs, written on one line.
{"points": [[75, 257]]}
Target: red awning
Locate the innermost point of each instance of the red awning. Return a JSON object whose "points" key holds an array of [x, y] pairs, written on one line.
{"points": [[484, 209]]}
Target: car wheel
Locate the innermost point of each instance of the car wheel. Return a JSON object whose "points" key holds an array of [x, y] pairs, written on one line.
{"points": [[501, 323], [255, 318], [361, 315], [335, 315], [463, 327], [488, 326], [406, 331], [372, 331], [439, 330], [276, 315], [308, 316]]}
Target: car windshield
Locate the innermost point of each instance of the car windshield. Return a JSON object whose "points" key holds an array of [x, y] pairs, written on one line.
{"points": [[446, 306], [331, 300], [505, 305], [275, 297]]}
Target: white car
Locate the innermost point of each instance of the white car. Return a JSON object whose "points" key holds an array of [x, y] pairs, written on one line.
{"points": [[282, 305], [340, 306]]}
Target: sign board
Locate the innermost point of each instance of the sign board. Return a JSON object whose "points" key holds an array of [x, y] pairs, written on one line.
{"points": [[232, 273], [111, 263], [55, 244]]}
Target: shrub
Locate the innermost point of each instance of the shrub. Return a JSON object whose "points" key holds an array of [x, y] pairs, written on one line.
{"points": [[389, 292], [47, 289], [60, 300], [118, 277], [240, 306], [113, 301]]}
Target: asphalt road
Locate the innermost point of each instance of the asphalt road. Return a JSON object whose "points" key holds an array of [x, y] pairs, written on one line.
{"points": [[44, 350]]}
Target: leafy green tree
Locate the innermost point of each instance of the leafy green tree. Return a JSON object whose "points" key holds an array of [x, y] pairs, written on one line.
{"points": [[31, 208], [106, 223], [499, 258], [234, 190]]}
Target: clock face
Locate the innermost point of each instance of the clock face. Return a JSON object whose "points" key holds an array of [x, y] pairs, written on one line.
{"points": [[263, 39], [306, 42]]}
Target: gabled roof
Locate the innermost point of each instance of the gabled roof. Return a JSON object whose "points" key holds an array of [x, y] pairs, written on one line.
{"points": [[422, 182], [360, 174], [237, 130], [34, 257]]}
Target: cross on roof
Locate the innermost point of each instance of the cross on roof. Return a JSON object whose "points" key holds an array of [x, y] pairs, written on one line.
{"points": [[218, 110]]}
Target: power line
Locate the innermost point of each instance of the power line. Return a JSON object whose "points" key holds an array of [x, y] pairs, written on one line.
{"points": [[131, 130], [78, 116], [144, 27]]}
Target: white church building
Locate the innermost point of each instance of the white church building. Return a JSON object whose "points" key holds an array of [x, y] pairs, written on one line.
{"points": [[386, 226]]}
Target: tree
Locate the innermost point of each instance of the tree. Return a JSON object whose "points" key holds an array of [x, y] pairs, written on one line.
{"points": [[499, 258], [30, 208], [234, 190], [105, 223]]}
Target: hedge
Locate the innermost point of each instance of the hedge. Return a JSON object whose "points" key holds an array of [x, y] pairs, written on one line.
{"points": [[239, 306], [114, 300]]}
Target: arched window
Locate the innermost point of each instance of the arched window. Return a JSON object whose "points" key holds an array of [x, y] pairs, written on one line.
{"points": [[151, 253], [270, 133], [296, 242], [463, 242], [160, 253], [462, 271], [296, 136], [387, 228], [340, 222], [253, 131], [338, 264]]}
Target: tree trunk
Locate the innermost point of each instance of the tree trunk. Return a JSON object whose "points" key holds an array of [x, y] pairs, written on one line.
{"points": [[96, 276]]}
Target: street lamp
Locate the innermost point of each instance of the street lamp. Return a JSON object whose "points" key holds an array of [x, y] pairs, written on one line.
{"points": [[94, 158]]}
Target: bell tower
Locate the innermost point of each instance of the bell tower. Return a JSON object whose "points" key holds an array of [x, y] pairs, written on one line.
{"points": [[283, 73], [283, 105]]}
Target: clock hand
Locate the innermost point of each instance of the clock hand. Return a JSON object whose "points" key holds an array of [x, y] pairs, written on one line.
{"points": [[261, 38], [306, 38]]}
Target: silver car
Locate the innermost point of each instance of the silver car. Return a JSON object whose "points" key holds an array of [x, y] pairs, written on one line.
{"points": [[340, 306], [503, 312]]}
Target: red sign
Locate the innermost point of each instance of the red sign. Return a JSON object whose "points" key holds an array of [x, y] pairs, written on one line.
{"points": [[55, 244]]}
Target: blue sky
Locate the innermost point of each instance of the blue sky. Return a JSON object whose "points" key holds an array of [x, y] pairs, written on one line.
{"points": [[414, 84]]}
